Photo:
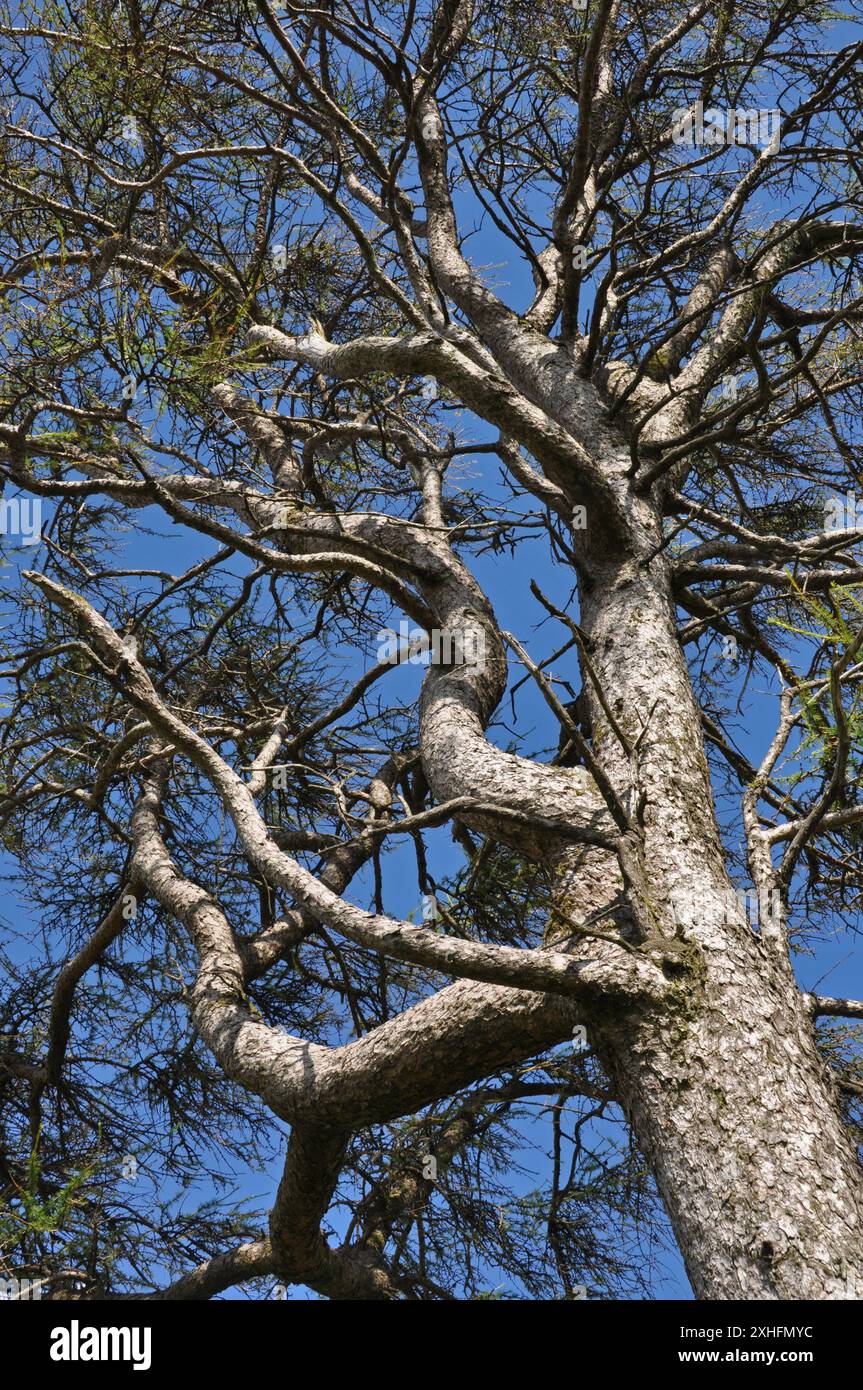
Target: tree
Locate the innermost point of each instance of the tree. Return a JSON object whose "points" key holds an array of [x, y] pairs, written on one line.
{"points": [[253, 301]]}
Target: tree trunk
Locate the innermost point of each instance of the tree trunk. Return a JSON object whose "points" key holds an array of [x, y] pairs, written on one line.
{"points": [[728, 1099], [722, 1083], [740, 1125]]}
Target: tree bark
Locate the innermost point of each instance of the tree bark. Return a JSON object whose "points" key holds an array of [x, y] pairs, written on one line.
{"points": [[728, 1099]]}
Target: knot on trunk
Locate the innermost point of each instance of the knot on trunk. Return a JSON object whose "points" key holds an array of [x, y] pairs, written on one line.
{"points": [[770, 1243]]}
